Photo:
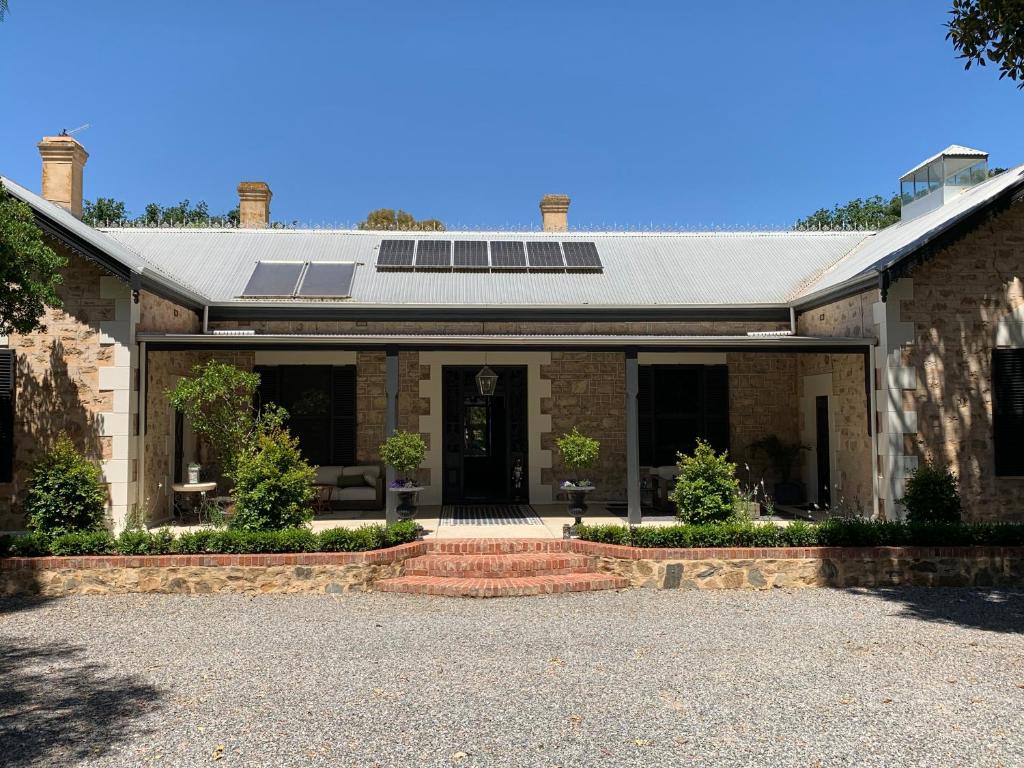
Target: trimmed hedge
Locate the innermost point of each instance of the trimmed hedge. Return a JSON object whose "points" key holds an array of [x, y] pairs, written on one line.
{"points": [[831, 533], [210, 542]]}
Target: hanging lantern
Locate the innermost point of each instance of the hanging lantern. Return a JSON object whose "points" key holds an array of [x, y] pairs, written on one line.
{"points": [[486, 381]]}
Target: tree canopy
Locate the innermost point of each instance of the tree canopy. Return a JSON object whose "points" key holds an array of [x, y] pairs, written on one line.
{"points": [[399, 220], [29, 269], [874, 212], [985, 31], [107, 210]]}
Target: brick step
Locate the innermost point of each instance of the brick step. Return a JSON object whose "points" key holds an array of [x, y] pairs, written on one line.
{"points": [[495, 546], [497, 566], [507, 587]]}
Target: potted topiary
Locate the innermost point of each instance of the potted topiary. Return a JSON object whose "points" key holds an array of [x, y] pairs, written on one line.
{"points": [[578, 453], [404, 452], [782, 457]]}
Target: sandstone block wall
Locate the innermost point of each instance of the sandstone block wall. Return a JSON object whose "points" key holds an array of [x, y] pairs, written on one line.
{"points": [[588, 391], [958, 299], [58, 382]]}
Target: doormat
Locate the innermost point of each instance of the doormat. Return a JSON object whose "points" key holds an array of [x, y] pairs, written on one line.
{"points": [[489, 514]]}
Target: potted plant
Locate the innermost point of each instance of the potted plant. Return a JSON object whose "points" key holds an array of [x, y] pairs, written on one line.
{"points": [[782, 457], [404, 452], [579, 453]]}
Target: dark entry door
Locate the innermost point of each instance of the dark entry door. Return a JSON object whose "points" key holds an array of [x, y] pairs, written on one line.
{"points": [[821, 428], [485, 438]]}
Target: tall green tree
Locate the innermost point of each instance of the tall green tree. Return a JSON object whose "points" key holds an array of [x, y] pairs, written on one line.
{"points": [[874, 212], [393, 220], [29, 269], [4, 10], [985, 31], [103, 211]]}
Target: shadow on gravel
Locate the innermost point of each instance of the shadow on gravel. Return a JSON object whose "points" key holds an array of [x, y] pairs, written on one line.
{"points": [[993, 610], [57, 707]]}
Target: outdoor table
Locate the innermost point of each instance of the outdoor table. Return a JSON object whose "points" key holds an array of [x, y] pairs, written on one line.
{"points": [[194, 488]]}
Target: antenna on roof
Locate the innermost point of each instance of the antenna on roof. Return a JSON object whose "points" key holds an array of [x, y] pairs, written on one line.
{"points": [[73, 131]]}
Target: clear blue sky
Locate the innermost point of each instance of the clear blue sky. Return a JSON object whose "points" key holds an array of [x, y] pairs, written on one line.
{"points": [[680, 114]]}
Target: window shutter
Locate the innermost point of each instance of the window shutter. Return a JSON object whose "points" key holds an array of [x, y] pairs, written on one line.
{"points": [[716, 406], [645, 411], [7, 373], [1008, 411], [343, 415]]}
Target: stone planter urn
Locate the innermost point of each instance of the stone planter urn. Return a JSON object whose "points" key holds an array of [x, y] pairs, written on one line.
{"points": [[406, 508], [577, 502]]}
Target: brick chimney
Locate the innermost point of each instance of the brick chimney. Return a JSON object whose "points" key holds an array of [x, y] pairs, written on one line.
{"points": [[63, 161], [254, 204], [554, 210]]}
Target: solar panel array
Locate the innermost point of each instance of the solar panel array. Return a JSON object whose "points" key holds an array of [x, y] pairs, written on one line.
{"points": [[300, 279], [489, 255]]}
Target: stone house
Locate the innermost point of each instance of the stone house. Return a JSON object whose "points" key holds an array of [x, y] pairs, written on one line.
{"points": [[877, 350]]}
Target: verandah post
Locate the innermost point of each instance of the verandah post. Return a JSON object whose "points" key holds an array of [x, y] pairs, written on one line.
{"points": [[390, 425], [632, 438]]}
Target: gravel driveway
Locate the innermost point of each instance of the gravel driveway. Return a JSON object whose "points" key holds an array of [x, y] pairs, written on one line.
{"points": [[808, 678]]}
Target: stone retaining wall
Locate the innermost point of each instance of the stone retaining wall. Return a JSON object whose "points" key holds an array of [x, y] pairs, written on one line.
{"points": [[797, 567], [330, 572], [791, 568]]}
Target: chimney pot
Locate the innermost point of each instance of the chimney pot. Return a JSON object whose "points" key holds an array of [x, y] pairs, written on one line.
{"points": [[63, 161], [254, 204], [554, 211]]}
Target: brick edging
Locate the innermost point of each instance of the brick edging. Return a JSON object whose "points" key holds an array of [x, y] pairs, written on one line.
{"points": [[371, 557], [786, 553]]}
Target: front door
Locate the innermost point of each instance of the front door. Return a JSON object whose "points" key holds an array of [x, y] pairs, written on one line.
{"points": [[485, 443]]}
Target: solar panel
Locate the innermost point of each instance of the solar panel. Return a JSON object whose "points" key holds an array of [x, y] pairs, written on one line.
{"points": [[395, 253], [507, 254], [434, 253], [329, 278], [273, 278], [544, 254], [581, 255], [470, 254]]}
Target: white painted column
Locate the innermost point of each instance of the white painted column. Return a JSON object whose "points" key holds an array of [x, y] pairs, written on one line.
{"points": [[120, 470], [895, 419]]}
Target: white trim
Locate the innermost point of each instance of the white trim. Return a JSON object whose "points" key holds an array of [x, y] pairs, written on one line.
{"points": [[813, 387]]}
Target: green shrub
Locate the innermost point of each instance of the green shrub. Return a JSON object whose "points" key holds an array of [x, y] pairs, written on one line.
{"points": [[401, 532], [707, 486], [66, 493], [133, 542], [82, 543], [30, 545], [273, 484], [404, 451], [830, 533], [578, 452], [351, 540], [932, 495]]}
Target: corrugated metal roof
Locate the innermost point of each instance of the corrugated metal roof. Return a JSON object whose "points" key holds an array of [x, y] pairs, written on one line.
{"points": [[888, 246], [640, 269], [953, 150]]}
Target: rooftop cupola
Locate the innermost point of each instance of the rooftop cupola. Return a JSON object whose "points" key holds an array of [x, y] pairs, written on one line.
{"points": [[941, 178]]}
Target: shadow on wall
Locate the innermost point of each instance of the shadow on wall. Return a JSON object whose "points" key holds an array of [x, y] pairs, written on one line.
{"points": [[989, 610], [953, 358], [58, 706], [48, 402]]}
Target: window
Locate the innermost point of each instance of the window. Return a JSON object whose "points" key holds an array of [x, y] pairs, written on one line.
{"points": [[7, 370], [1008, 411], [678, 404], [321, 405]]}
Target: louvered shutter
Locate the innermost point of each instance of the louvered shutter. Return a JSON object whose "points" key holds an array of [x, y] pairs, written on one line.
{"points": [[1008, 411], [716, 406], [343, 415], [7, 372], [645, 410]]}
